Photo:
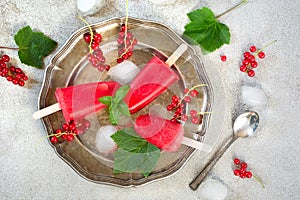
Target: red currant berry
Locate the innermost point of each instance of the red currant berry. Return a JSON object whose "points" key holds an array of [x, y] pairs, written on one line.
{"points": [[18, 70], [121, 34], [252, 48], [58, 131], [237, 172], [101, 67], [95, 45], [129, 53], [244, 165], [261, 55], [21, 83], [107, 67], [169, 107], [54, 139], [251, 73], [236, 161], [195, 120], [242, 175], [187, 99], [120, 40], [5, 58], [72, 127], [193, 113], [87, 37], [186, 90], [25, 78], [98, 53], [70, 137], [15, 81], [64, 136], [193, 93], [223, 58], [251, 58], [179, 110], [65, 127], [97, 38], [12, 68], [248, 174], [253, 64], [125, 56], [119, 60], [184, 117], [243, 68], [246, 62], [247, 54], [123, 28], [9, 78], [175, 99], [86, 124]]}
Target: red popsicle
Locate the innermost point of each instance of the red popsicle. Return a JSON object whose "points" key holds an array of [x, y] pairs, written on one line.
{"points": [[160, 132], [152, 80]]}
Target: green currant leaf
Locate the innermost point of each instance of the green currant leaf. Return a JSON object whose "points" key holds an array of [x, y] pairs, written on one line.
{"points": [[205, 30], [33, 46], [105, 100], [134, 153]]}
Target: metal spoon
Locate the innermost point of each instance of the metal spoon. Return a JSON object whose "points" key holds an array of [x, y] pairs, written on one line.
{"points": [[243, 126]]}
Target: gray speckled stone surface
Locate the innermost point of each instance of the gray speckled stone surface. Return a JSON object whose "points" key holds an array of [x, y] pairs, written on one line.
{"points": [[31, 170]]}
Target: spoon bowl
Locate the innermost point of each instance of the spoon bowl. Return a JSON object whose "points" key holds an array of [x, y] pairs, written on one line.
{"points": [[244, 125]]}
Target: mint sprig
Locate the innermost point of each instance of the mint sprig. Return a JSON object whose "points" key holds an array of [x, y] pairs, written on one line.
{"points": [[116, 106], [134, 153]]}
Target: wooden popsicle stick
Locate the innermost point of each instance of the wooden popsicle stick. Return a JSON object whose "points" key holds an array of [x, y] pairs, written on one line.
{"points": [[176, 54], [46, 111], [196, 144]]}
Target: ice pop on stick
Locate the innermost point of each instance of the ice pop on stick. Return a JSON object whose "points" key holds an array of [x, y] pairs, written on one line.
{"points": [[165, 134], [78, 101], [155, 77]]}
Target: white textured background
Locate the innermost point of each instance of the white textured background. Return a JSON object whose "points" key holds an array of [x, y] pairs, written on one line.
{"points": [[31, 170]]}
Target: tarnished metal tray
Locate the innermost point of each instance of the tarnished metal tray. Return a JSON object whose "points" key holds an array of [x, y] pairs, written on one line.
{"points": [[70, 66]]}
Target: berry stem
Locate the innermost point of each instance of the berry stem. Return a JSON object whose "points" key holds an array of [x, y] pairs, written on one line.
{"points": [[264, 47], [10, 48], [126, 23], [187, 94], [91, 32], [233, 8], [258, 180]]}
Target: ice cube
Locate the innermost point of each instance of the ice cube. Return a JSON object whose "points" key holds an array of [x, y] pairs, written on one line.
{"points": [[254, 97], [213, 190], [124, 72], [104, 143]]}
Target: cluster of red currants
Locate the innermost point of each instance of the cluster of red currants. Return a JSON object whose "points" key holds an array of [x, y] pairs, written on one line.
{"points": [[249, 62], [178, 107], [126, 43], [11, 73], [241, 169], [69, 130], [96, 58]]}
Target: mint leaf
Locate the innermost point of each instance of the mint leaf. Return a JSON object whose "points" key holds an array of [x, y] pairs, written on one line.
{"points": [[121, 93], [105, 100], [33, 46], [123, 108], [134, 153], [205, 30]]}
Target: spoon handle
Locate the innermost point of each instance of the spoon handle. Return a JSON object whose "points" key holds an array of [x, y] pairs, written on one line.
{"points": [[200, 177]]}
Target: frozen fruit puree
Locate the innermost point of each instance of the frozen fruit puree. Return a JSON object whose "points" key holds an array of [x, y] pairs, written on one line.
{"points": [[79, 101], [152, 80], [163, 133]]}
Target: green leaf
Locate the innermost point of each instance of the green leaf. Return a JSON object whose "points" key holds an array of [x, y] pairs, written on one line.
{"points": [[121, 93], [123, 108], [33, 46], [105, 100], [205, 30], [134, 153]]}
